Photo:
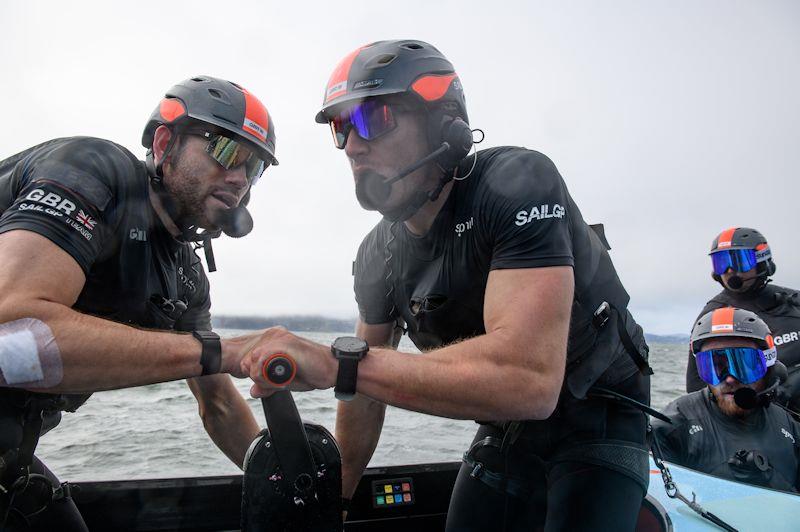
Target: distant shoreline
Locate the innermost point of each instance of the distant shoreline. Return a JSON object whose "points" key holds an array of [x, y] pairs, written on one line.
{"points": [[304, 323]]}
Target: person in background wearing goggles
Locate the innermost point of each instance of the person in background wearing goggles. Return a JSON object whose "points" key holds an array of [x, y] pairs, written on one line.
{"points": [[742, 263], [486, 262], [101, 288], [729, 428]]}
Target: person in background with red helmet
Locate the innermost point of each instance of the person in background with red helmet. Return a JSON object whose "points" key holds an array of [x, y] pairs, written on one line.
{"points": [[485, 261], [742, 263], [99, 276], [729, 428]]}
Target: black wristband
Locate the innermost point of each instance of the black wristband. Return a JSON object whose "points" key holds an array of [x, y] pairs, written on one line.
{"points": [[211, 357]]}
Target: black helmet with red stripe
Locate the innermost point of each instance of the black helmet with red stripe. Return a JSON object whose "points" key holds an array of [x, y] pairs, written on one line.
{"points": [[382, 68], [414, 69], [729, 322], [220, 104], [746, 238]]}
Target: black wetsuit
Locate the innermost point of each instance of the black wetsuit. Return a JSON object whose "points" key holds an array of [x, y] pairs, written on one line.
{"points": [[91, 198], [703, 438], [779, 307], [514, 211]]}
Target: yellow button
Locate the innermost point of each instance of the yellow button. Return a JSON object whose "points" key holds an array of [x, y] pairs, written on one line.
{"points": [[387, 488]]}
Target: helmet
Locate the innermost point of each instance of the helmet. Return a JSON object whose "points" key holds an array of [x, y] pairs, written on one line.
{"points": [[746, 238], [394, 67], [411, 68], [220, 104], [729, 322]]}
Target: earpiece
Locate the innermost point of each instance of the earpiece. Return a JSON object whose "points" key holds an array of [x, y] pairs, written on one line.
{"points": [[458, 135]]}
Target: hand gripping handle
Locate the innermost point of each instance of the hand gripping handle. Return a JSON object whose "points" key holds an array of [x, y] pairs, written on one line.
{"points": [[279, 369]]}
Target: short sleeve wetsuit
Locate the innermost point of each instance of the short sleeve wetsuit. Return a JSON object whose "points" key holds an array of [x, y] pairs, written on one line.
{"points": [[513, 211], [90, 197], [703, 438], [779, 307]]}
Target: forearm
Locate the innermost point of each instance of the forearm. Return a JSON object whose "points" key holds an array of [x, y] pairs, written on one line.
{"points": [[227, 419], [96, 354], [358, 429], [468, 380]]}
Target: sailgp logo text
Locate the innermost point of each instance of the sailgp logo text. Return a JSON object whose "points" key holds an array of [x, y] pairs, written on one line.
{"points": [[540, 213]]}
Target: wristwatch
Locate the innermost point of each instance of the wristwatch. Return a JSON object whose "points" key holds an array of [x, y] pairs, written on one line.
{"points": [[211, 358], [348, 350]]}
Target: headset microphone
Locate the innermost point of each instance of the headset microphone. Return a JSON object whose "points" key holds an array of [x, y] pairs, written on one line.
{"points": [[735, 282], [236, 222], [374, 189], [748, 398]]}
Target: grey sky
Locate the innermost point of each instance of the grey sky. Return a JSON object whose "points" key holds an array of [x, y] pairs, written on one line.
{"points": [[669, 121]]}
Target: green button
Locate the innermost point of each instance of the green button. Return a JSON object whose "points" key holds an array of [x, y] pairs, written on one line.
{"points": [[379, 500]]}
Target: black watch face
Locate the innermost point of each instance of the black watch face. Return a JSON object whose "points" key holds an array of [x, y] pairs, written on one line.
{"points": [[350, 344]]}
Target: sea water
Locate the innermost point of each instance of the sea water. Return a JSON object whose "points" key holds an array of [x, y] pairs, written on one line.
{"points": [[154, 431]]}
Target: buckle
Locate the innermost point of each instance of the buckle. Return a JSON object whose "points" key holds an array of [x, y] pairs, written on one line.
{"points": [[601, 315]]}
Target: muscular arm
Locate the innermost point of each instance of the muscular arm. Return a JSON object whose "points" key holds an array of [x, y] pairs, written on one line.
{"points": [[226, 416], [39, 280], [359, 422], [514, 371]]}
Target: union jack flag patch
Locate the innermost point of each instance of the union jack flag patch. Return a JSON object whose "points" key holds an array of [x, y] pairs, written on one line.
{"points": [[86, 220]]}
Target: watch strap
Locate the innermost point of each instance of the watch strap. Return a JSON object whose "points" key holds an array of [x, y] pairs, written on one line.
{"points": [[346, 378], [211, 357]]}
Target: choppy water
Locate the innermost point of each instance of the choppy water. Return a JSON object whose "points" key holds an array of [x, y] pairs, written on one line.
{"points": [[155, 432]]}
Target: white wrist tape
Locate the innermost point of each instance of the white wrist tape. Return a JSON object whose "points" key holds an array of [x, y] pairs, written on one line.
{"points": [[29, 355]]}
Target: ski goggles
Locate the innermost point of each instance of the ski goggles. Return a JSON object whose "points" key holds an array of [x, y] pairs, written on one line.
{"points": [[231, 153], [738, 260], [370, 118], [745, 364]]}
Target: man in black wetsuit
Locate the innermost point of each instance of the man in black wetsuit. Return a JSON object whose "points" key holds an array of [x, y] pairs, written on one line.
{"points": [[487, 262], [728, 429], [96, 248], [742, 263]]}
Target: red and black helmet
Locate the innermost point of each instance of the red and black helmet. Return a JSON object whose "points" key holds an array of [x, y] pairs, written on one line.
{"points": [[729, 322], [406, 67], [218, 103], [746, 238]]}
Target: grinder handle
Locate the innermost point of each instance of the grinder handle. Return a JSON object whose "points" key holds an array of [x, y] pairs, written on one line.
{"points": [[279, 369]]}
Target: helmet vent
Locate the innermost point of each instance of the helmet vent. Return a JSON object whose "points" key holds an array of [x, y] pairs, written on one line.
{"points": [[411, 46], [380, 61], [199, 80], [219, 95]]}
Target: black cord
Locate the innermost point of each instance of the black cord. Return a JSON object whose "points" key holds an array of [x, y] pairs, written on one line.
{"points": [[388, 261]]}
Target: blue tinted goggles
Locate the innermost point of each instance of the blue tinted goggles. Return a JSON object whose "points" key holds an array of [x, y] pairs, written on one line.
{"points": [[738, 260], [370, 119], [745, 364]]}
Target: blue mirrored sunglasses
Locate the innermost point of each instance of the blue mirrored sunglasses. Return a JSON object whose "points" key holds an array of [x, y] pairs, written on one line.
{"points": [[738, 260], [370, 119], [745, 364]]}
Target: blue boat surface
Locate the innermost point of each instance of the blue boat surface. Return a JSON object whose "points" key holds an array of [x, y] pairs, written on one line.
{"points": [[742, 506]]}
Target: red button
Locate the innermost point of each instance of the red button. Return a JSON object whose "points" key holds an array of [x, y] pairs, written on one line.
{"points": [[406, 497], [406, 486]]}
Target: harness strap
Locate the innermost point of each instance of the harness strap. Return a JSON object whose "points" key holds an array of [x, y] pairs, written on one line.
{"points": [[600, 318], [497, 481], [31, 430]]}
